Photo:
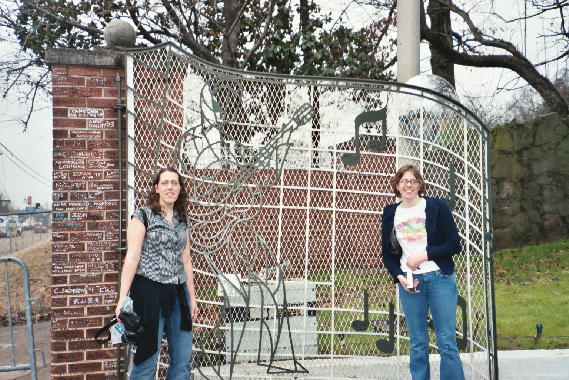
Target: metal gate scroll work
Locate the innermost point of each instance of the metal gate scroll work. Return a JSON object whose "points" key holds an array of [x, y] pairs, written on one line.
{"points": [[287, 178]]}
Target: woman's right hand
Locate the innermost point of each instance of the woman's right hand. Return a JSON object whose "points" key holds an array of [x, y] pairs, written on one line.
{"points": [[403, 281], [118, 308]]}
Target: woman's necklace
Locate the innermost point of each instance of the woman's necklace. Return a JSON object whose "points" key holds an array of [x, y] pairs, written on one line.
{"points": [[411, 203], [169, 216]]}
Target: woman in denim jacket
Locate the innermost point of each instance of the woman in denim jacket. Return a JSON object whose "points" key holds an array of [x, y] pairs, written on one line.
{"points": [[419, 238]]}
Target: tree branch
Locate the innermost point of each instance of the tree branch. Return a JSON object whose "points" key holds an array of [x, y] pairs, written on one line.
{"points": [[388, 22], [515, 62], [32, 102], [565, 54], [391, 63], [236, 21], [562, 20], [479, 35], [262, 37], [133, 12], [64, 20], [187, 36]]}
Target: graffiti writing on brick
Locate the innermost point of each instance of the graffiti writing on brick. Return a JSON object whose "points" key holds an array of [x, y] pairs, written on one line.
{"points": [[87, 195], [86, 175], [67, 268], [101, 289], [68, 247], [67, 290], [111, 235], [86, 134], [85, 301], [101, 164], [57, 175], [101, 245], [66, 165], [103, 205], [68, 186], [85, 113], [85, 257], [78, 216], [101, 267], [100, 124], [68, 206], [58, 236], [61, 217], [103, 186], [110, 299]]}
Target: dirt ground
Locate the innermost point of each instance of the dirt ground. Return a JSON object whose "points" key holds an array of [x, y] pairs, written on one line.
{"points": [[10, 246], [37, 258]]}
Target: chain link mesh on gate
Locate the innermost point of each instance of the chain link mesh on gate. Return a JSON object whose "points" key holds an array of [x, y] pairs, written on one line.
{"points": [[287, 178]]}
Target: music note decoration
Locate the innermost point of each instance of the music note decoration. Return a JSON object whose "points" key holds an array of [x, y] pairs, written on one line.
{"points": [[388, 345], [376, 146], [359, 325]]}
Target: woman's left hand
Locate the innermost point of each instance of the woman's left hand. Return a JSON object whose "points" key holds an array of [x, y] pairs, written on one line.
{"points": [[195, 309], [414, 261]]}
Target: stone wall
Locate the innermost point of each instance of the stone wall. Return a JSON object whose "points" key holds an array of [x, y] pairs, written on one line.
{"points": [[530, 178]]}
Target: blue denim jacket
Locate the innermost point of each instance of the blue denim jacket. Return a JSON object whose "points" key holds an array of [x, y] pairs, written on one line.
{"points": [[442, 237]]}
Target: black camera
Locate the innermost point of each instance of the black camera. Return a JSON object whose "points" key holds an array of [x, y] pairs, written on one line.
{"points": [[130, 332], [133, 327]]}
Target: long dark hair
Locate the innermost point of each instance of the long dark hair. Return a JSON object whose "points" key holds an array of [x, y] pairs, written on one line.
{"points": [[180, 204]]}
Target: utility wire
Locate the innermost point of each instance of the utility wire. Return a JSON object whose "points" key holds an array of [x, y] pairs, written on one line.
{"points": [[4, 176], [42, 180], [23, 163]]}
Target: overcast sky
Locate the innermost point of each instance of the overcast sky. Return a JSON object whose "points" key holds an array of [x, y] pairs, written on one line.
{"points": [[34, 147]]}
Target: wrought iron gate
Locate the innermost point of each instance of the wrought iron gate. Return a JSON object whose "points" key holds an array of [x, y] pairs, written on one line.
{"points": [[287, 178]]}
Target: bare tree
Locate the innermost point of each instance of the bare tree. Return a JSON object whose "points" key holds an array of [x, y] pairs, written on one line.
{"points": [[476, 34], [475, 46], [258, 35]]}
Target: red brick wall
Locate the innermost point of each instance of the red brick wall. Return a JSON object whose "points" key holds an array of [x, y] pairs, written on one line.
{"points": [[85, 219]]}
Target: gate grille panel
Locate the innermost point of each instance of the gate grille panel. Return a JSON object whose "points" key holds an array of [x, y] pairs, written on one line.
{"points": [[287, 178]]}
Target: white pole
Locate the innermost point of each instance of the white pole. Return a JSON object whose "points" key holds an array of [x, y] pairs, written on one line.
{"points": [[408, 37], [408, 57]]}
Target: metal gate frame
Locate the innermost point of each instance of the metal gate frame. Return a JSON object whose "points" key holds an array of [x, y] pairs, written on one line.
{"points": [[164, 121], [31, 365]]}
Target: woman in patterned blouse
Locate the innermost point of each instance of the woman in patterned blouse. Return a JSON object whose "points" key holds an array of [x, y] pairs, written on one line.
{"points": [[158, 276]]}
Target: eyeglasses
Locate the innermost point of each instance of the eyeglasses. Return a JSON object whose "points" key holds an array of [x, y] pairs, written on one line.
{"points": [[408, 181]]}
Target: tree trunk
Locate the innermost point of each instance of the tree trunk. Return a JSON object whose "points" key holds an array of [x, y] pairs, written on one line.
{"points": [[230, 33], [440, 24], [304, 23]]}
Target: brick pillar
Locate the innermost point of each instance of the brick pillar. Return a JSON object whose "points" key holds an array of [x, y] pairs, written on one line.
{"points": [[85, 210]]}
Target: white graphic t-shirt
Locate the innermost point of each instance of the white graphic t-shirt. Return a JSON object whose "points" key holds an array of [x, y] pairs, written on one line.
{"points": [[411, 233]]}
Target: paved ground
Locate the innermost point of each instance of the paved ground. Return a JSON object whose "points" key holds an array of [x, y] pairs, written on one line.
{"points": [[534, 365], [514, 365], [42, 341]]}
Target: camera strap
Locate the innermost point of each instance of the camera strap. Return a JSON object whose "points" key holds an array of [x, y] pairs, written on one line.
{"points": [[103, 329]]}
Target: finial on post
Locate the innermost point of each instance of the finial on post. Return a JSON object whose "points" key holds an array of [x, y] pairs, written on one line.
{"points": [[119, 34]]}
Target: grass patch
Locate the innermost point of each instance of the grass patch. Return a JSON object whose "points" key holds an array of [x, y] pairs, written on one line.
{"points": [[37, 258], [531, 287]]}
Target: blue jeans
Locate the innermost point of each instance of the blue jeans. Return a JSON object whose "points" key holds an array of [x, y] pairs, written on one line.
{"points": [[179, 351], [438, 293]]}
